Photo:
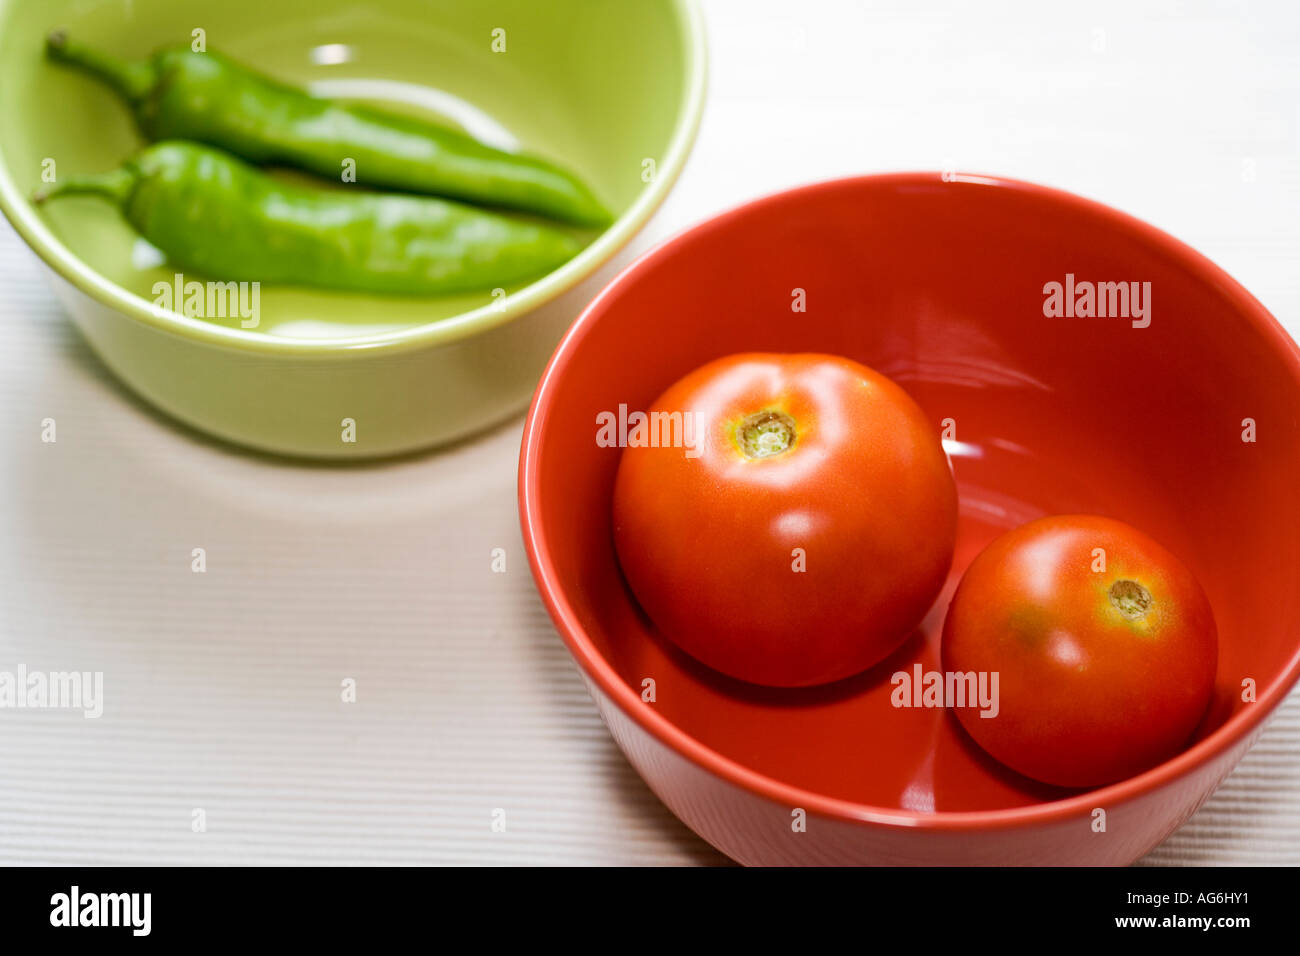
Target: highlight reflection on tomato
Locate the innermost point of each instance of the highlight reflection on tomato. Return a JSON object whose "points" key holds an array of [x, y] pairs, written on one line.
{"points": [[1104, 643], [808, 536]]}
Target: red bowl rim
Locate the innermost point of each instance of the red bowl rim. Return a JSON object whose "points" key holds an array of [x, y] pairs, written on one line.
{"points": [[666, 732]]}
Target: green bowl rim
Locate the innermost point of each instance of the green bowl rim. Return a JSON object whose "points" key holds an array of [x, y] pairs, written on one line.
{"points": [[690, 24]]}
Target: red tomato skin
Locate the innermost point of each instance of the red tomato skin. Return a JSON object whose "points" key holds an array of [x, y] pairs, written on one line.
{"points": [[707, 544], [1087, 696]]}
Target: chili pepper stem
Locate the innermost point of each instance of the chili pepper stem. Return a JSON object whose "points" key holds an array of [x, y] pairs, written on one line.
{"points": [[114, 185], [133, 79]]}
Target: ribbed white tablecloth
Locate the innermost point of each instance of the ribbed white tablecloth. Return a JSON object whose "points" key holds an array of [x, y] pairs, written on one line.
{"points": [[222, 689]]}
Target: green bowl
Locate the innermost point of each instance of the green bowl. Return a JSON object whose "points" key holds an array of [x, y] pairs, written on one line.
{"points": [[598, 86]]}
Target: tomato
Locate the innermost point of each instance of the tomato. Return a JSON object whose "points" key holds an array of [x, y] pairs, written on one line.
{"points": [[1103, 642], [808, 532]]}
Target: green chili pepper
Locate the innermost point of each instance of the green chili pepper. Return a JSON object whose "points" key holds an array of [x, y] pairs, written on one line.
{"points": [[180, 94], [213, 214]]}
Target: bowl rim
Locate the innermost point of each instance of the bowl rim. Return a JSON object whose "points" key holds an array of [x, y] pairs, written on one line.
{"points": [[602, 674], [689, 23]]}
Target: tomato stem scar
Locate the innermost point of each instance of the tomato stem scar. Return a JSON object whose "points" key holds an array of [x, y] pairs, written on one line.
{"points": [[1131, 599], [765, 434]]}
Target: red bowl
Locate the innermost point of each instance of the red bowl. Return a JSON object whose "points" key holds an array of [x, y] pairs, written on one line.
{"points": [[940, 285]]}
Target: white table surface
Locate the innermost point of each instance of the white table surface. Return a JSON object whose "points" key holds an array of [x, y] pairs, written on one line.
{"points": [[222, 689]]}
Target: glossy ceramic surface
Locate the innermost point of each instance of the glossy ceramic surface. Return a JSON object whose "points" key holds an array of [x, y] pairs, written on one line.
{"points": [[600, 88], [939, 285]]}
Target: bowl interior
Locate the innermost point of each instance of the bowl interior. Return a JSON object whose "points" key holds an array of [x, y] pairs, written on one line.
{"points": [[597, 87], [940, 285]]}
